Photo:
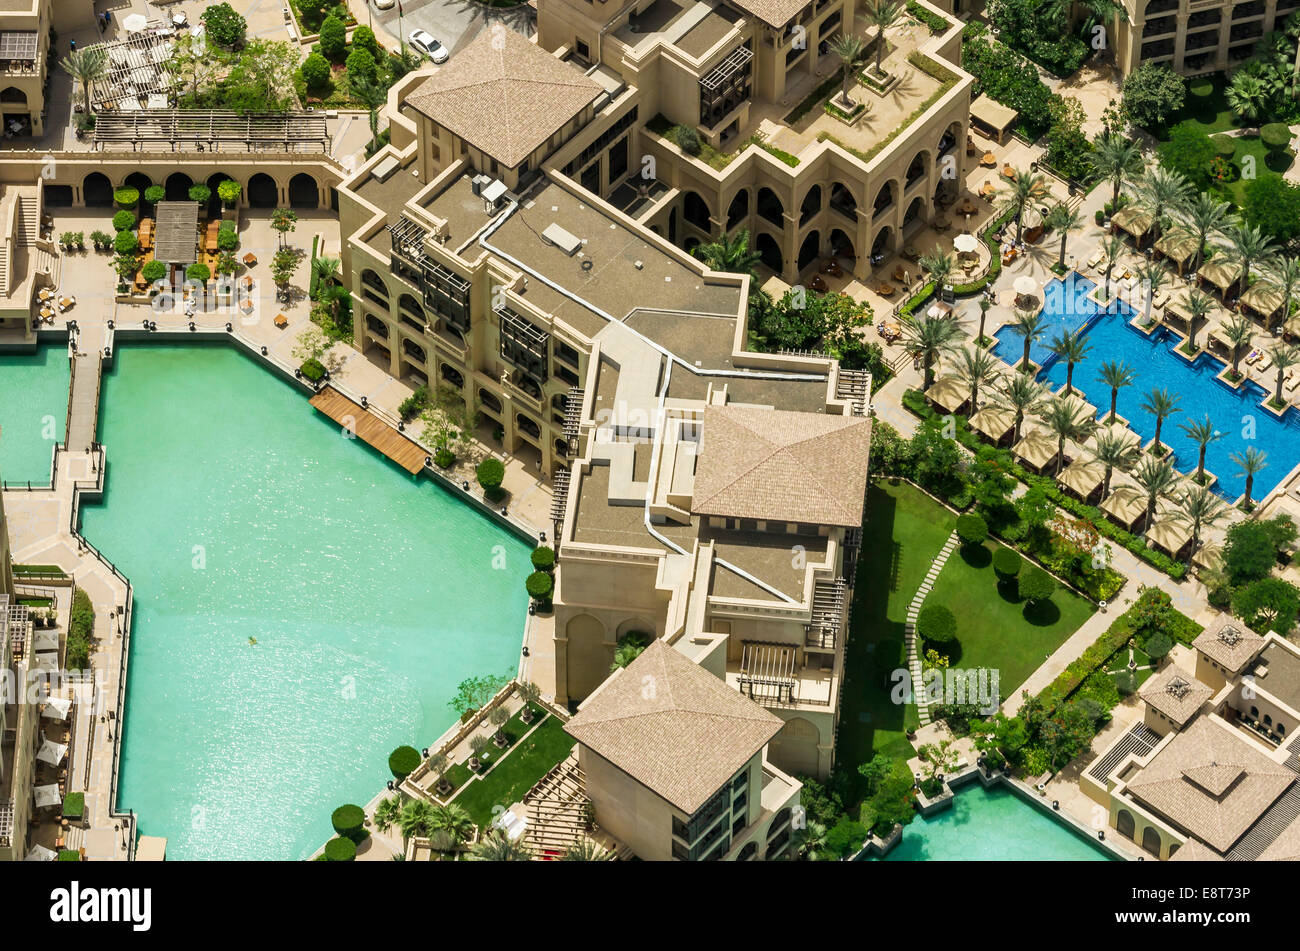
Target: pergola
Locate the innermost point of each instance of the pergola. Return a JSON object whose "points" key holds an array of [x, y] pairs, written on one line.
{"points": [[1219, 272], [136, 69], [1083, 477], [1177, 247], [214, 130], [177, 233], [1134, 221], [1264, 298], [992, 116]]}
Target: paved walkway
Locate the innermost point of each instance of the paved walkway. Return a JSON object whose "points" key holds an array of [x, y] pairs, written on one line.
{"points": [[909, 628]]}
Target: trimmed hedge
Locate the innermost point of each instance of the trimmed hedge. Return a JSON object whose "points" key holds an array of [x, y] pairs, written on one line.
{"points": [[126, 197], [349, 821], [972, 529], [491, 473], [74, 805], [340, 850], [69, 855], [1036, 584], [154, 194], [1276, 136], [915, 402], [543, 558], [540, 585], [936, 624], [123, 219], [313, 370], [1006, 563], [403, 761], [936, 24], [1225, 146]]}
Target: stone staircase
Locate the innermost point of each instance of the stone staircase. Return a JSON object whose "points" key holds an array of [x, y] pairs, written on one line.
{"points": [[914, 609], [29, 220]]}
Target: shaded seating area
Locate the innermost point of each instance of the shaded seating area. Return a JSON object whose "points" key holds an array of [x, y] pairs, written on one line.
{"points": [[1177, 248], [1179, 318], [992, 118], [1125, 506], [1036, 450], [1219, 273], [1083, 478], [1133, 221], [178, 225], [1169, 533], [948, 394], [994, 424], [1263, 298]]}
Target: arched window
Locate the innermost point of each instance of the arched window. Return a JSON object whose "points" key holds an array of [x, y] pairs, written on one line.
{"points": [[748, 852], [769, 207], [695, 211], [812, 203], [489, 399]]}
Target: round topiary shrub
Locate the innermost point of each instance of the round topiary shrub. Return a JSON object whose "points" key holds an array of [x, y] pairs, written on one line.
{"points": [[154, 194], [403, 761], [126, 242], [315, 71], [123, 220], [1276, 136], [1200, 90], [200, 193], [1158, 645], [361, 65], [154, 271], [1006, 563], [340, 850], [1126, 683], [936, 624], [491, 473], [540, 585], [126, 197], [688, 140], [1224, 146], [972, 529], [349, 821], [1036, 584], [543, 558]]}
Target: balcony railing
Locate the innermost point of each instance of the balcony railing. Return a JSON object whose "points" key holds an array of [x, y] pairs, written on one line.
{"points": [[7, 823]]}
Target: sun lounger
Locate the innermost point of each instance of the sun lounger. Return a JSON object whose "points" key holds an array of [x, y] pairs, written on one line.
{"points": [[1265, 362], [1095, 261], [1252, 357], [1292, 380]]}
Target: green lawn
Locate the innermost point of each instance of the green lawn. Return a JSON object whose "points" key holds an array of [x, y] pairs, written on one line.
{"points": [[526, 762], [995, 626], [901, 538]]}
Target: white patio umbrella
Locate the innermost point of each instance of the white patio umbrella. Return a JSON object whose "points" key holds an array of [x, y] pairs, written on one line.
{"points": [[965, 243], [135, 22], [56, 708], [52, 753], [1026, 285], [39, 853], [47, 795], [46, 641]]}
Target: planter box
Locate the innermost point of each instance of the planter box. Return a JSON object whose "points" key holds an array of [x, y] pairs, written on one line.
{"points": [[928, 807]]}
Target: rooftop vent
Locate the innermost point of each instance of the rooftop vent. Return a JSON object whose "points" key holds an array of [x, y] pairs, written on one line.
{"points": [[1230, 636], [1178, 687], [562, 239]]}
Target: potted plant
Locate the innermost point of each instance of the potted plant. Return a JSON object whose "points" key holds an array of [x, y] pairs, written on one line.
{"points": [[530, 693], [498, 717], [438, 764], [229, 192], [478, 744]]}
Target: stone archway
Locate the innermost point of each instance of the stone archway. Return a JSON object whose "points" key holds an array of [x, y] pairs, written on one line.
{"points": [[738, 210], [304, 192], [769, 207], [1124, 823], [769, 252], [696, 211], [177, 186], [262, 191], [809, 251], [587, 655], [97, 191]]}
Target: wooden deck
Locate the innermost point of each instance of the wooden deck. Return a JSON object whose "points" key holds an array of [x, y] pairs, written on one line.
{"points": [[369, 428]]}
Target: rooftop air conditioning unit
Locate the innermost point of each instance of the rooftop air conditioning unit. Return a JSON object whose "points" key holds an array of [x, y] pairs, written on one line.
{"points": [[478, 183]]}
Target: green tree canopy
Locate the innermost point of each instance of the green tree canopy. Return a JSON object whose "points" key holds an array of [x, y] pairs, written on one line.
{"points": [[1273, 205], [1152, 93], [1268, 604], [1189, 151]]}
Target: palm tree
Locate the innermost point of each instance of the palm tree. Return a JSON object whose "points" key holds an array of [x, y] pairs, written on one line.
{"points": [[848, 47], [1067, 418], [1115, 158], [1161, 404], [733, 255], [984, 305], [1153, 275], [1250, 463], [1114, 452], [1284, 357], [1064, 220], [1202, 509], [453, 820], [1156, 477], [1112, 249], [929, 338], [882, 14], [1247, 246], [1116, 374], [373, 96], [1247, 95], [1285, 273], [586, 850], [1021, 193], [87, 66], [1239, 332], [1199, 305], [976, 367], [1202, 219], [496, 846], [415, 819], [388, 813], [1159, 191], [1202, 433], [1021, 395], [939, 265], [1029, 324], [1071, 348]]}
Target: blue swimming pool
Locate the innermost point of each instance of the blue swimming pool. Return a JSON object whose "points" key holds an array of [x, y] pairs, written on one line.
{"points": [[1066, 308], [1236, 413]]}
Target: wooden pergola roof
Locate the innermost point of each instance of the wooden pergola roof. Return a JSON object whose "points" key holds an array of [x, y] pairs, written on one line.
{"points": [[215, 130], [176, 236]]}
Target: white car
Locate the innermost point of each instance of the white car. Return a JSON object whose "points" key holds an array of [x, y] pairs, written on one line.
{"points": [[384, 4], [427, 45]]}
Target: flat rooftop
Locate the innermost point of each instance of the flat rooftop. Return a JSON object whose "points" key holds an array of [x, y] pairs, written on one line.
{"points": [[1283, 678], [464, 212], [597, 522], [766, 556], [615, 270], [392, 194], [807, 396]]}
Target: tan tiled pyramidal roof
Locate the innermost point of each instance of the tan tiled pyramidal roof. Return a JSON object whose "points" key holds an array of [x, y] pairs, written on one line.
{"points": [[1211, 782], [781, 465], [504, 95], [1175, 693], [771, 12], [1229, 642], [673, 726]]}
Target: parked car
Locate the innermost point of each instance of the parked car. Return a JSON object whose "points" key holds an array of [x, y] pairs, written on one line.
{"points": [[384, 4], [427, 45]]}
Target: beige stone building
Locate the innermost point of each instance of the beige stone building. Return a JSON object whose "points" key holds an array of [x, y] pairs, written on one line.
{"points": [[21, 719], [1194, 36], [1210, 773], [674, 765]]}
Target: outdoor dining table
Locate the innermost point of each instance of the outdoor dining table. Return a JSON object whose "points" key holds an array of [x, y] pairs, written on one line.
{"points": [[250, 259], [46, 312], [66, 302], [45, 294], [989, 160], [281, 321]]}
